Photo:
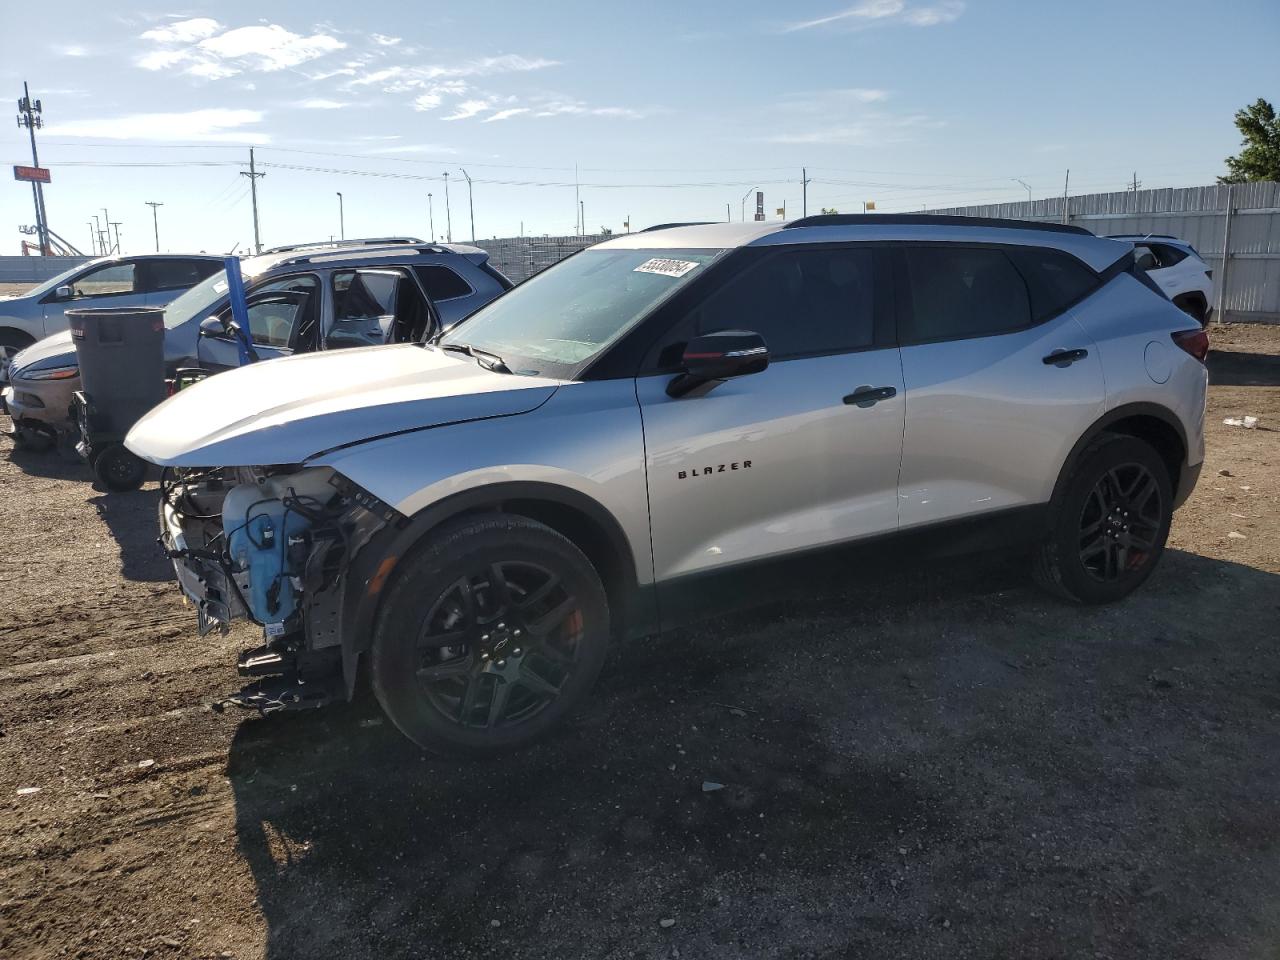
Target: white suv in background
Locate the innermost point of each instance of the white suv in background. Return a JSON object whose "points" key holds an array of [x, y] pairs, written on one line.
{"points": [[1178, 269]]}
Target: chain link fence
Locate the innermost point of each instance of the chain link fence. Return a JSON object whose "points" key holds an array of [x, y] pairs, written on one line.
{"points": [[521, 257]]}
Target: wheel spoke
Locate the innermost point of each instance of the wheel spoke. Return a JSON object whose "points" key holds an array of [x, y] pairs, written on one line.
{"points": [[469, 696], [501, 589], [449, 638], [1143, 494], [553, 617], [531, 601], [498, 702], [450, 670], [536, 683]]}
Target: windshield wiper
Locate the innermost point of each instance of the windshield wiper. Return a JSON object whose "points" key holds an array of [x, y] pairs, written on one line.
{"points": [[490, 361]]}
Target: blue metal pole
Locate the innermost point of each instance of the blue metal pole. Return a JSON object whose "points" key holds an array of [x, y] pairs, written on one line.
{"points": [[239, 310]]}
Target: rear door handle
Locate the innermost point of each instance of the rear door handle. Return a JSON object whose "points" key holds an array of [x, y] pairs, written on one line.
{"points": [[1064, 358], [870, 396]]}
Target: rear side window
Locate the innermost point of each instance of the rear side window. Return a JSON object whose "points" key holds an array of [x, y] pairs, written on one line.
{"points": [[959, 292], [1055, 280], [1166, 255], [178, 274], [803, 302], [441, 283]]}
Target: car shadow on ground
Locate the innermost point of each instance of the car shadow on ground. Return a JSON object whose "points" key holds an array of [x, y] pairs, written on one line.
{"points": [[916, 761], [51, 464], [131, 518], [1227, 368]]}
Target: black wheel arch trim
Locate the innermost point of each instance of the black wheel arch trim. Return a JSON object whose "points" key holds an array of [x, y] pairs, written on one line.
{"points": [[1125, 412], [373, 566]]}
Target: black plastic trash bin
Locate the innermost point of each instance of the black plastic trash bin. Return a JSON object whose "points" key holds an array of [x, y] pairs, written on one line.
{"points": [[120, 351]]}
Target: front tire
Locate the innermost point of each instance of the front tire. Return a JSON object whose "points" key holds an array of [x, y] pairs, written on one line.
{"points": [[118, 469], [1109, 528], [11, 343], [492, 633]]}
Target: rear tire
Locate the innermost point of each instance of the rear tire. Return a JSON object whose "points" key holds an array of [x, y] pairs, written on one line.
{"points": [[492, 633], [33, 441], [11, 341], [1109, 528], [119, 470]]}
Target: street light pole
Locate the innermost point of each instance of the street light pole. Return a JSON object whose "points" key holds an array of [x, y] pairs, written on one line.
{"points": [[448, 213], [155, 222], [431, 218], [1025, 184], [744, 204], [470, 203], [342, 222]]}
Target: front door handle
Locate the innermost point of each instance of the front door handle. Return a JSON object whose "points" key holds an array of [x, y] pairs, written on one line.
{"points": [[1064, 358], [870, 396]]}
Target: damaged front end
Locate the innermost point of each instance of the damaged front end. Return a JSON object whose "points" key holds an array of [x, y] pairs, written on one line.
{"points": [[273, 545]]}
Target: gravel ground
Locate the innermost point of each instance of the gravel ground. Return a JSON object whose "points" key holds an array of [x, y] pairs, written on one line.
{"points": [[923, 762]]}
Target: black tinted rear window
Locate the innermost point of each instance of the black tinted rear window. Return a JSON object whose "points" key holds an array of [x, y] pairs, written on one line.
{"points": [[179, 274], [1055, 279], [961, 292], [441, 283]]}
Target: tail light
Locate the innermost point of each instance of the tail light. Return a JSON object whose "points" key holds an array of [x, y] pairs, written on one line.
{"points": [[1195, 342]]}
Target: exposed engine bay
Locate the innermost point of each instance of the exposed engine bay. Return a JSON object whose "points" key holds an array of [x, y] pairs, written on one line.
{"points": [[271, 545]]}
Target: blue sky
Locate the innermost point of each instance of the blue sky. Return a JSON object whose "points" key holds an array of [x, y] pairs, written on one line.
{"points": [[670, 111]]}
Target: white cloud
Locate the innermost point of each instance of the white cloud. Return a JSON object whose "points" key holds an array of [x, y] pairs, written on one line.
{"points": [[505, 114], [382, 40], [71, 50], [400, 79], [319, 103], [214, 125], [469, 108], [203, 49], [558, 108], [870, 12], [271, 47], [184, 31], [435, 95]]}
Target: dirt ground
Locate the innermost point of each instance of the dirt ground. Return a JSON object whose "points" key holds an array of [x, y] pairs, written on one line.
{"points": [[921, 762]]}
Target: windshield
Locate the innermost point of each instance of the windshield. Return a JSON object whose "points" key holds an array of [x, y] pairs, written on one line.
{"points": [[560, 318], [199, 298], [59, 280]]}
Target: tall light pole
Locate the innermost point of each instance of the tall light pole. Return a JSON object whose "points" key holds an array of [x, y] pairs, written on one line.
{"points": [[744, 204], [253, 175], [431, 217], [342, 223], [155, 222], [582, 209], [1025, 184], [448, 214], [470, 203]]}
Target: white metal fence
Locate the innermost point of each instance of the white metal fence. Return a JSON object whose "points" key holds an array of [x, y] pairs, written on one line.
{"points": [[1236, 228], [521, 257]]}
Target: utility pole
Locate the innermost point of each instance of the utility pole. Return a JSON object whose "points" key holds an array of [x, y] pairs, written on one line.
{"points": [[448, 213], [470, 203], [1136, 182], [106, 233], [253, 175], [342, 222], [155, 222], [577, 200], [101, 245], [431, 217], [728, 214], [30, 115], [582, 207], [1066, 185], [115, 225], [804, 188], [93, 238]]}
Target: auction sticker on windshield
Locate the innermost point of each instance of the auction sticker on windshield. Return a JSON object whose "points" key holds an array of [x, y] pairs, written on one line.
{"points": [[668, 268]]}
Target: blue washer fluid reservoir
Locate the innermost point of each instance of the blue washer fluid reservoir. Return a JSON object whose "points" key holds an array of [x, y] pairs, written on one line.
{"points": [[259, 528]]}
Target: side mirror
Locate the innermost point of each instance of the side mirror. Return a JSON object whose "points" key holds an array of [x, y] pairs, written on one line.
{"points": [[212, 327], [64, 292], [719, 356]]}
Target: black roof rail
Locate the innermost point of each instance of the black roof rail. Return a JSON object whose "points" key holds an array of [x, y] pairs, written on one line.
{"points": [[336, 244], [1144, 236], [931, 220], [669, 226]]}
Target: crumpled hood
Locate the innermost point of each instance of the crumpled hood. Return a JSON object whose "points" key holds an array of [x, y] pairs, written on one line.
{"points": [[58, 350], [287, 410]]}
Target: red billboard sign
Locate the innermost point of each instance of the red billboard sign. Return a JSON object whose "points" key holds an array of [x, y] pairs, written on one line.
{"points": [[31, 174]]}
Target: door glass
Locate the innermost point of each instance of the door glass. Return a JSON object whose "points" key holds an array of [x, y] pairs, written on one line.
{"points": [[115, 278], [961, 292], [1055, 279], [376, 306], [802, 302], [441, 283], [280, 310], [179, 274]]}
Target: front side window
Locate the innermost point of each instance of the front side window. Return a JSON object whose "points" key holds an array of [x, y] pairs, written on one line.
{"points": [[803, 302], [555, 322], [959, 292], [282, 312], [112, 279]]}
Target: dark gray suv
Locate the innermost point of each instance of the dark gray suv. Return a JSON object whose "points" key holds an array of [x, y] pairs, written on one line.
{"points": [[300, 299]]}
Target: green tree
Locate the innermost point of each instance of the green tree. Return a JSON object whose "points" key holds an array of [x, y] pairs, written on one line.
{"points": [[1259, 158]]}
